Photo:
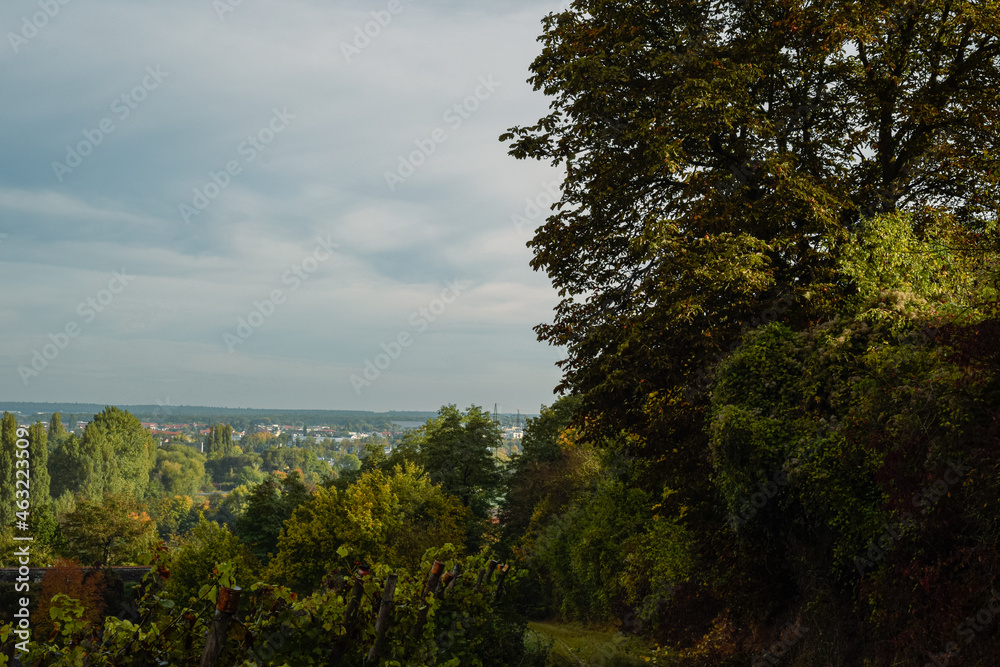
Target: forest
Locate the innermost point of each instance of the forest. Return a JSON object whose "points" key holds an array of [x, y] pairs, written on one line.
{"points": [[777, 432], [310, 526]]}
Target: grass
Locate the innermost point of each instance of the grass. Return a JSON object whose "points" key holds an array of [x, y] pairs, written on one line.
{"points": [[576, 645]]}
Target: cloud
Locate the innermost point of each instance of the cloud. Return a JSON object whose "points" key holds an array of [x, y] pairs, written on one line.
{"points": [[323, 176]]}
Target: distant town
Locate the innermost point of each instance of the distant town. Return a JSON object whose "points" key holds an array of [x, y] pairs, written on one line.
{"points": [[190, 425], [193, 432]]}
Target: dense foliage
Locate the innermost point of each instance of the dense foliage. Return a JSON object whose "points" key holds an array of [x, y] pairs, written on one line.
{"points": [[466, 624], [457, 450], [114, 530], [830, 166], [718, 155], [779, 266], [380, 518], [333, 547]]}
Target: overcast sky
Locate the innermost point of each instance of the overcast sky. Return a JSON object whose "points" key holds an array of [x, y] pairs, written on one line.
{"points": [[245, 203]]}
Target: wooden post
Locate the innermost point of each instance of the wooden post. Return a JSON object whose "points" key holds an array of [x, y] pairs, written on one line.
{"points": [[500, 577], [486, 574], [215, 641], [352, 606], [432, 580], [382, 623], [455, 572], [429, 588], [340, 646]]}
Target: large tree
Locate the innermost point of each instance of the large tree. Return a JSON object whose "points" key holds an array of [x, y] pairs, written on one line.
{"points": [[43, 511], [456, 450], [543, 469], [8, 447], [219, 441], [179, 470], [270, 504], [40, 480], [114, 530], [718, 154], [117, 454], [390, 518], [64, 467], [56, 429]]}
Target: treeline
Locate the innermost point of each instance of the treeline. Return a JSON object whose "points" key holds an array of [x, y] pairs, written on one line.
{"points": [[239, 418], [293, 537], [114, 479], [778, 254]]}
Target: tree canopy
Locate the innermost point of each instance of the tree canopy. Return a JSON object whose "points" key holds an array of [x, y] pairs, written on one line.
{"points": [[390, 518], [718, 155], [540, 476], [269, 505], [219, 441], [114, 530], [115, 455], [831, 165], [179, 470], [56, 429], [192, 562], [8, 456], [456, 450]]}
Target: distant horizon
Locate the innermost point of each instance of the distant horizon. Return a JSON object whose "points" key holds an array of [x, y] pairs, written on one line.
{"points": [[75, 407]]}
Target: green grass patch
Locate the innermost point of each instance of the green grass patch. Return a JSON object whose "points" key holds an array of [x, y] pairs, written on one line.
{"points": [[577, 645]]}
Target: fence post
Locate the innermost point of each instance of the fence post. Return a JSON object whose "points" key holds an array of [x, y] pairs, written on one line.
{"points": [[455, 572], [382, 623], [215, 641], [448, 580], [500, 577], [340, 645], [429, 588], [352, 607]]}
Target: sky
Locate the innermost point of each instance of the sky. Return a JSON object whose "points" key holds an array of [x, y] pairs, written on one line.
{"points": [[251, 203]]}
